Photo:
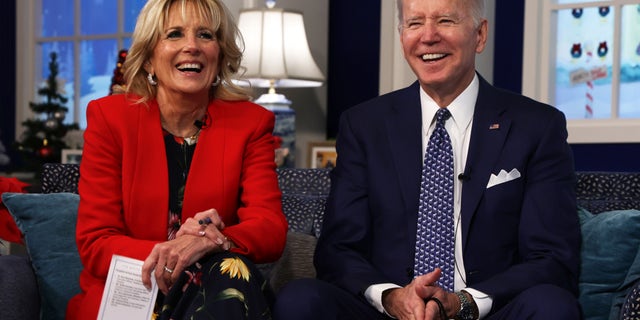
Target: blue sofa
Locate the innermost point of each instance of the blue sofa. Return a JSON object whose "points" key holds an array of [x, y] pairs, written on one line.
{"points": [[610, 276]]}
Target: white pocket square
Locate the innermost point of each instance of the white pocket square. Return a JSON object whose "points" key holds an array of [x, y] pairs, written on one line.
{"points": [[503, 177]]}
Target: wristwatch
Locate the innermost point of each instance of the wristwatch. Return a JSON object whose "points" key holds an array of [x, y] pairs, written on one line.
{"points": [[468, 310]]}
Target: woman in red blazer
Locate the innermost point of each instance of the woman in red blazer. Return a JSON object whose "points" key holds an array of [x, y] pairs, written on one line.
{"points": [[178, 171]]}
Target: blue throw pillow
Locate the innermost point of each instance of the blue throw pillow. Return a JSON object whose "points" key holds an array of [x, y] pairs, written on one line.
{"points": [[610, 261], [48, 223]]}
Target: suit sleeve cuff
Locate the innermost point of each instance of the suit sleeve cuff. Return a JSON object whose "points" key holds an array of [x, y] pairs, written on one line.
{"points": [[373, 294], [482, 300]]}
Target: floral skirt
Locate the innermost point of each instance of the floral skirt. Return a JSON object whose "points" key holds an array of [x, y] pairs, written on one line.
{"points": [[221, 286]]}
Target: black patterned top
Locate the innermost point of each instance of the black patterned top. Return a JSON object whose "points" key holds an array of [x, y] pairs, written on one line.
{"points": [[179, 155]]}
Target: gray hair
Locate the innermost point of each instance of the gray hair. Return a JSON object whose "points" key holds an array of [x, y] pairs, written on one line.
{"points": [[477, 11]]}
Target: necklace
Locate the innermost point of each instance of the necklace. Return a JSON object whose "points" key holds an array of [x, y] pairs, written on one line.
{"points": [[189, 140]]}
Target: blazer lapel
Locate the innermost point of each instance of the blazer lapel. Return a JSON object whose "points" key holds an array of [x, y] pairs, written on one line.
{"points": [[150, 161], [489, 132], [206, 177]]}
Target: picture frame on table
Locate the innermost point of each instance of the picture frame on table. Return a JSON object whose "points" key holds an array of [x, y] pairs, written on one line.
{"points": [[322, 154], [72, 156]]}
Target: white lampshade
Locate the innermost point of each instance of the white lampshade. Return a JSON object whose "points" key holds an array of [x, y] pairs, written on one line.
{"points": [[276, 50]]}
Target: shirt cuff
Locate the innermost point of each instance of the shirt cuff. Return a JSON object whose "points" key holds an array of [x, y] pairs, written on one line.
{"points": [[373, 294], [482, 300]]}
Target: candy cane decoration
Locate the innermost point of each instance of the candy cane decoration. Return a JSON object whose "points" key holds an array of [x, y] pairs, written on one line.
{"points": [[589, 94]]}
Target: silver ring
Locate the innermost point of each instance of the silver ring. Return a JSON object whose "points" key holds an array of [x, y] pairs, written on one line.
{"points": [[168, 270], [201, 233]]}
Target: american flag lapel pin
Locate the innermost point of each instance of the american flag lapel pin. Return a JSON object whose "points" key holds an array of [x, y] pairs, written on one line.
{"points": [[494, 126]]}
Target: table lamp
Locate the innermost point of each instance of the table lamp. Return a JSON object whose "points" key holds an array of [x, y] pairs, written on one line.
{"points": [[277, 55]]}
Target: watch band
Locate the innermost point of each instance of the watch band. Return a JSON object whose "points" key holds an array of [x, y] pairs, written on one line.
{"points": [[467, 308]]}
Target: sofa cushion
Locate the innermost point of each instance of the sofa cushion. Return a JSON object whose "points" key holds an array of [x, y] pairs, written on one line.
{"points": [[303, 212], [608, 191], [304, 197], [610, 261], [631, 304], [296, 261], [48, 223], [19, 289]]}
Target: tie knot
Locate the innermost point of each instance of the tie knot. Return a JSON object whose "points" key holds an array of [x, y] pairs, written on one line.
{"points": [[442, 115]]}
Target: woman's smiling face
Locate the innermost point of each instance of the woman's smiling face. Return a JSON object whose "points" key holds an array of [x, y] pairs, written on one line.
{"points": [[185, 59]]}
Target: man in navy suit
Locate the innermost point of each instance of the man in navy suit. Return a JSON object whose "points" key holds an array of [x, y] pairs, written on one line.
{"points": [[516, 232]]}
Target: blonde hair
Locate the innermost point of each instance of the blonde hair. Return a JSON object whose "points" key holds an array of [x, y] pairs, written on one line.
{"points": [[476, 7], [147, 33]]}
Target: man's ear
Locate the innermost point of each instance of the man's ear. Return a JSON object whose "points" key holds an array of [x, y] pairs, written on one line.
{"points": [[482, 34]]}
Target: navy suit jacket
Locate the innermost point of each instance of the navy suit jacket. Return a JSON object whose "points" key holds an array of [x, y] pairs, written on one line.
{"points": [[514, 235]]}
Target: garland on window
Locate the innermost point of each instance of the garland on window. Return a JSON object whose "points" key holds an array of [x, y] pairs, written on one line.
{"points": [[118, 72]]}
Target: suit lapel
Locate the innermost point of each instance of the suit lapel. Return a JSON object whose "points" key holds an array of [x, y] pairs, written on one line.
{"points": [[489, 132], [404, 127]]}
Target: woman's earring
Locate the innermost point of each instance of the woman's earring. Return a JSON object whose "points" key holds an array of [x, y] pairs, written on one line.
{"points": [[216, 82], [151, 80]]}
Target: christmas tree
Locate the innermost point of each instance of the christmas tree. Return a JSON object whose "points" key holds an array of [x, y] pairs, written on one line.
{"points": [[42, 140]]}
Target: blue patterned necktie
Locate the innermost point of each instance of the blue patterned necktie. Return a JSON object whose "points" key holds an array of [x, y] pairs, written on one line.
{"points": [[435, 234]]}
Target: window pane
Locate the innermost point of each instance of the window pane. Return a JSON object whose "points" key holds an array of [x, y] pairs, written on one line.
{"points": [[57, 18], [131, 10], [126, 43], [98, 58], [99, 16], [630, 62], [65, 58], [583, 62]]}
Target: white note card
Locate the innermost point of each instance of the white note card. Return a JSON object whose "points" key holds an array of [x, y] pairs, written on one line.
{"points": [[124, 296]]}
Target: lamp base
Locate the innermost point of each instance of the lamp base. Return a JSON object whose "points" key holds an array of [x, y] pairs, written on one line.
{"points": [[285, 127]]}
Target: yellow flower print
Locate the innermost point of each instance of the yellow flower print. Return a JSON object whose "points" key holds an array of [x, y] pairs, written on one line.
{"points": [[236, 268]]}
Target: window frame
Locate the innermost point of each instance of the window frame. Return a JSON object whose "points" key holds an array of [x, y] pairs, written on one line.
{"points": [[28, 59], [536, 73]]}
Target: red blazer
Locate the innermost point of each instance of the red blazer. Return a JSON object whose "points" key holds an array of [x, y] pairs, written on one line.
{"points": [[124, 200]]}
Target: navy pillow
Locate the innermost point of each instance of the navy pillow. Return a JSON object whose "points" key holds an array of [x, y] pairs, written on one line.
{"points": [[303, 211], [48, 223], [610, 261]]}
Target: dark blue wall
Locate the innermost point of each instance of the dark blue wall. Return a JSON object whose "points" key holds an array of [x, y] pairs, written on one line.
{"points": [[8, 87], [354, 59], [354, 56]]}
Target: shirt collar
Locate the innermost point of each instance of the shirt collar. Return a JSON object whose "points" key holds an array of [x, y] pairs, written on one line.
{"points": [[461, 108]]}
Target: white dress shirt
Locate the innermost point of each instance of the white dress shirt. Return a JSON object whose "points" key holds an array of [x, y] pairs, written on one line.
{"points": [[459, 130]]}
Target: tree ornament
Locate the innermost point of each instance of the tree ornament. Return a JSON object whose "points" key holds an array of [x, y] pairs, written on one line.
{"points": [[51, 124], [46, 150], [59, 115]]}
